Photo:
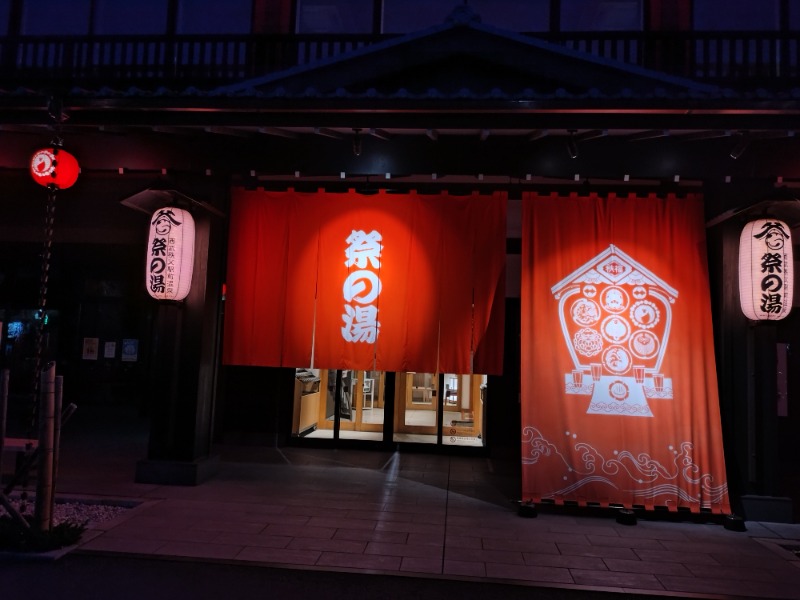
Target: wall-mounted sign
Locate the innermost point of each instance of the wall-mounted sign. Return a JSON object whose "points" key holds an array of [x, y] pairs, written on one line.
{"points": [[170, 254], [766, 270]]}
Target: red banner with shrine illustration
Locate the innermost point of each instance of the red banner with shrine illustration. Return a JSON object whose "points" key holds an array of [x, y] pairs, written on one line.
{"points": [[391, 282], [619, 391]]}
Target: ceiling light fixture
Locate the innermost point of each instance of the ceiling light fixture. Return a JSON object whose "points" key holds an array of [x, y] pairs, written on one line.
{"points": [[572, 144]]}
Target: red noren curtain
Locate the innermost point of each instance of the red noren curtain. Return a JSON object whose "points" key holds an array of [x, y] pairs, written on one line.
{"points": [[393, 282], [619, 389]]}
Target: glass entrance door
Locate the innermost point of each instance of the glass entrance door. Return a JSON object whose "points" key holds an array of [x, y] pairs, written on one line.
{"points": [[339, 404], [417, 403]]}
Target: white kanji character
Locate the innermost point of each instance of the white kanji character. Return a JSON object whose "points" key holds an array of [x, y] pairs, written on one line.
{"points": [[360, 323], [359, 282], [363, 247]]}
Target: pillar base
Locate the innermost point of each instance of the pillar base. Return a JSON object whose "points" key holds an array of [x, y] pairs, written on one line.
{"points": [[772, 509], [176, 472]]}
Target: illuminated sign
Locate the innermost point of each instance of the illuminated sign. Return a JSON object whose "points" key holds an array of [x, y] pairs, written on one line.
{"points": [[766, 270], [170, 254]]}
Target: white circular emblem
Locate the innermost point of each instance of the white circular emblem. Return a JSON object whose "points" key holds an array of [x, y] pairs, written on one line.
{"points": [[614, 299], [618, 390], [585, 312], [43, 163], [616, 359], [644, 344], [615, 329], [645, 314]]}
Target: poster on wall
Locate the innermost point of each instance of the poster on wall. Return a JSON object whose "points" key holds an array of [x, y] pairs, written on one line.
{"points": [[619, 390], [91, 347], [130, 350]]}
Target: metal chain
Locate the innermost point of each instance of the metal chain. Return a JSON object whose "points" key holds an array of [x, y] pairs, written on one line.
{"points": [[49, 221]]}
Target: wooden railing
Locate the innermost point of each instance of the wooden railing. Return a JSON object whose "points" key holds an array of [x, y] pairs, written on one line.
{"points": [[736, 59]]}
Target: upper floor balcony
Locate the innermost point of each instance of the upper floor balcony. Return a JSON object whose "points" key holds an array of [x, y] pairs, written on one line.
{"points": [[739, 60]]}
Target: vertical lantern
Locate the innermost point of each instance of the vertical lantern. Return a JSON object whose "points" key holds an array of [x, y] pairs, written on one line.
{"points": [[170, 254], [766, 270]]}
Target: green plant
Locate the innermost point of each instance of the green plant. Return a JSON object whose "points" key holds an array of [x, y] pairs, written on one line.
{"points": [[15, 538]]}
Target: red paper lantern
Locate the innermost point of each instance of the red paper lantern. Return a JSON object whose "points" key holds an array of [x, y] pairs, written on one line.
{"points": [[54, 167]]}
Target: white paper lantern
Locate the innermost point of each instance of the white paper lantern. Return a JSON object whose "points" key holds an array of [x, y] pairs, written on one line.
{"points": [[170, 254], [766, 270]]}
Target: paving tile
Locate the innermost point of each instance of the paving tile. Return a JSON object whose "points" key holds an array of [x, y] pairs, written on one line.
{"points": [[421, 565], [392, 537], [126, 545], [564, 560], [732, 587], [231, 526], [253, 539], [160, 533], [328, 545], [672, 556], [418, 550], [653, 531], [279, 555], [583, 528], [464, 568], [379, 515], [299, 531], [533, 545], [743, 546], [461, 541], [340, 523], [625, 542], [757, 573], [598, 551], [410, 527], [646, 566], [488, 556], [528, 573], [187, 549], [642, 581], [361, 562], [434, 539], [787, 531], [766, 561]]}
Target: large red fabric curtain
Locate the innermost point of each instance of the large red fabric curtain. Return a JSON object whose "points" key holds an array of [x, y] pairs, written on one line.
{"points": [[619, 390], [433, 284]]}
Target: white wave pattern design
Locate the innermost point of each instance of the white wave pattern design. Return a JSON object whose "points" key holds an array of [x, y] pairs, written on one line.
{"points": [[641, 469], [585, 481]]}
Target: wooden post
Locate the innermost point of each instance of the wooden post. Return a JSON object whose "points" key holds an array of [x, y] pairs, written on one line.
{"points": [[3, 409], [57, 423], [43, 515]]}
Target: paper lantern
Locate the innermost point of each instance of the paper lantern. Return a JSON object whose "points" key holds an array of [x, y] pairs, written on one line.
{"points": [[766, 270], [54, 167], [170, 254]]}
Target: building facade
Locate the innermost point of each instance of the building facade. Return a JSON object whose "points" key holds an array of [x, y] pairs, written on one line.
{"points": [[203, 105]]}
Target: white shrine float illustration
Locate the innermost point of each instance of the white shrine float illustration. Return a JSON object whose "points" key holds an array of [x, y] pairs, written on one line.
{"points": [[616, 316]]}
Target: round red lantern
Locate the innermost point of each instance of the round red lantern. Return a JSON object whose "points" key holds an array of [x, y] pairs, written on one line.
{"points": [[54, 167]]}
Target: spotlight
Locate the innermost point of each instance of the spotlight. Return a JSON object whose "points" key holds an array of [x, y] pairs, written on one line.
{"points": [[740, 146], [356, 142], [572, 144]]}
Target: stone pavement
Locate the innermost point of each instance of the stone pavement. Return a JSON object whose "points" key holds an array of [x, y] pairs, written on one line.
{"points": [[410, 514]]}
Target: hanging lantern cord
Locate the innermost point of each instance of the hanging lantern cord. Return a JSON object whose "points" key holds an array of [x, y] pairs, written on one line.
{"points": [[49, 221]]}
